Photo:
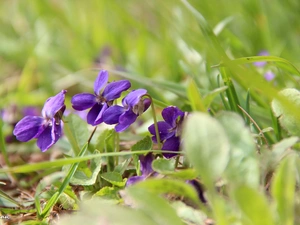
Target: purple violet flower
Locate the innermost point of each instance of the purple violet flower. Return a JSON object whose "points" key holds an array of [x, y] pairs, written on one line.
{"points": [[133, 106], [269, 75], [145, 167], [102, 98], [169, 130], [46, 128]]}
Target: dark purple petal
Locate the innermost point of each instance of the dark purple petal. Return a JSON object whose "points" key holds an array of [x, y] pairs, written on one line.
{"points": [[83, 101], [56, 130], [134, 179], [99, 118], [93, 114], [45, 139], [112, 114], [171, 114], [147, 103], [54, 104], [146, 164], [199, 188], [165, 131], [28, 128], [125, 120], [114, 89], [134, 97], [100, 81], [171, 144]]}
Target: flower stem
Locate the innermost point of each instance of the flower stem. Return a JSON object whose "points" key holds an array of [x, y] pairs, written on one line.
{"points": [[155, 122]]}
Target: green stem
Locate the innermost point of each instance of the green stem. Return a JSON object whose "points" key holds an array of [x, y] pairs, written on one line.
{"points": [[155, 121], [117, 147]]}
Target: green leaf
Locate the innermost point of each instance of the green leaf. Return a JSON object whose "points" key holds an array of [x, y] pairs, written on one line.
{"points": [[7, 201], [163, 166], [283, 190], [195, 97], [155, 207], [254, 206], [109, 193], [114, 178], [286, 108], [95, 212], [208, 98], [167, 186], [76, 131], [243, 165], [144, 144], [81, 178], [206, 145], [188, 214]]}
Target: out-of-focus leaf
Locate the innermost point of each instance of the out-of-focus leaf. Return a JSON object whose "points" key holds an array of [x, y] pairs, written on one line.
{"points": [[243, 165], [155, 207], [194, 97], [163, 166], [208, 98], [254, 206], [169, 186], [283, 190], [206, 145], [95, 212], [285, 108]]}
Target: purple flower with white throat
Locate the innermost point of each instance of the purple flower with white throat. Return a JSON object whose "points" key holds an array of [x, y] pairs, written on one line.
{"points": [[102, 99], [133, 106], [145, 167], [169, 130], [46, 128]]}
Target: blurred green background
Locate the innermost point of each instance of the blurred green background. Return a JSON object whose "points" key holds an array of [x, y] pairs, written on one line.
{"points": [[46, 46]]}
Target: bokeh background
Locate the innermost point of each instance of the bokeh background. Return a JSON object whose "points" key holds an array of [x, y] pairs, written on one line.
{"points": [[46, 46]]}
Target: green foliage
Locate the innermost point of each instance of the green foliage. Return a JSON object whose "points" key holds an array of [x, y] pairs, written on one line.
{"points": [[206, 145]]}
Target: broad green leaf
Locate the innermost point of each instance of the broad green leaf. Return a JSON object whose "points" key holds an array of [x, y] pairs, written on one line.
{"points": [[284, 144], [195, 97], [163, 166], [108, 193], [81, 178], [144, 144], [155, 207], [243, 165], [76, 131], [95, 212], [283, 190], [254, 206], [206, 145], [188, 214], [114, 178], [169, 186], [286, 110], [7, 201]]}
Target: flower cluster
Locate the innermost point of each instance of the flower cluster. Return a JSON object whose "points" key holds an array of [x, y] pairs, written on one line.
{"points": [[169, 130], [47, 129]]}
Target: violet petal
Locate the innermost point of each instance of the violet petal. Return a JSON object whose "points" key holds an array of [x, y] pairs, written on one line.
{"points": [[54, 104], [134, 97], [171, 144], [114, 89], [134, 179], [146, 164], [165, 131], [100, 81], [112, 114], [45, 139], [170, 115], [83, 101], [93, 114], [28, 128], [99, 118], [125, 120]]}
